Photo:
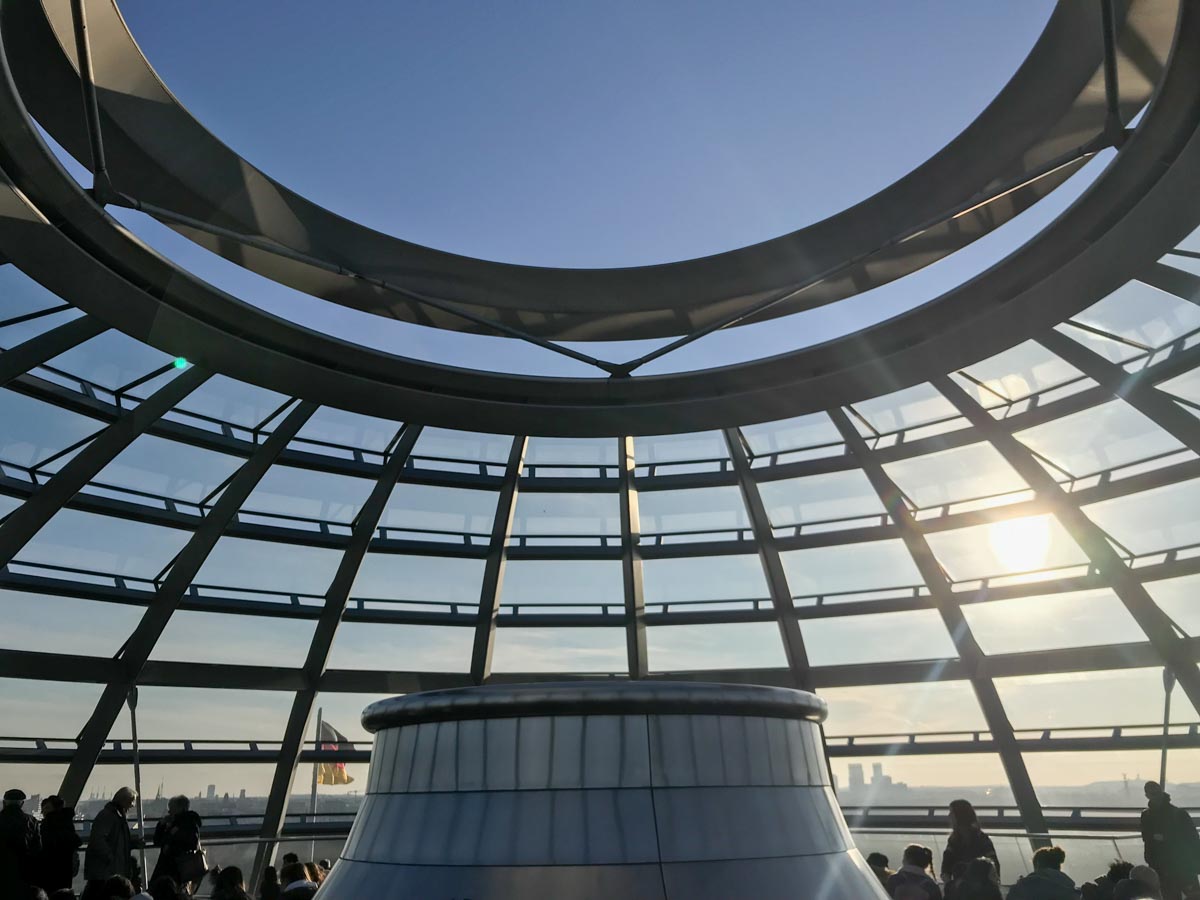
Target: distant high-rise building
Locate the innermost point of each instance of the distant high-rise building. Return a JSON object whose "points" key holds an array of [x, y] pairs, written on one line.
{"points": [[876, 772], [242, 794], [212, 792], [856, 776]]}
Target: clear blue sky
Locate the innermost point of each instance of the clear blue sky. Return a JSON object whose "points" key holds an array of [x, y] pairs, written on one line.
{"points": [[588, 134]]}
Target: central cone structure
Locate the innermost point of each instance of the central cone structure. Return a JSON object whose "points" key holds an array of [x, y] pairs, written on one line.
{"points": [[593, 791]]}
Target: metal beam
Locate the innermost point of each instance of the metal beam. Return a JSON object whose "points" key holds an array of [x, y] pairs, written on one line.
{"points": [[631, 562], [322, 645], [1173, 648], [32, 353], [101, 183], [138, 647], [956, 624], [29, 518], [1130, 387], [768, 554], [497, 559]]}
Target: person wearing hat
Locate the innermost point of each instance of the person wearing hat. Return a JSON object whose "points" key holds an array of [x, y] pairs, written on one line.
{"points": [[20, 845]]}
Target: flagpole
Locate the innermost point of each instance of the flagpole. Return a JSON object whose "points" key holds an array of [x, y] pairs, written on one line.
{"points": [[312, 804]]}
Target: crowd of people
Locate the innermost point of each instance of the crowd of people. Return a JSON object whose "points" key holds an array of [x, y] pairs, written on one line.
{"points": [[970, 868], [40, 860]]}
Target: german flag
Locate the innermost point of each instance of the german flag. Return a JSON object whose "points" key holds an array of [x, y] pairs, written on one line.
{"points": [[333, 772]]}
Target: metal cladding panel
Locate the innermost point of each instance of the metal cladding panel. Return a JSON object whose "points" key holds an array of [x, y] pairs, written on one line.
{"points": [[840, 876], [713, 823], [635, 804], [735, 750], [506, 828], [362, 880], [535, 753]]}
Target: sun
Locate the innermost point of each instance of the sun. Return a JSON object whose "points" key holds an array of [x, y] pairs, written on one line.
{"points": [[1020, 545]]}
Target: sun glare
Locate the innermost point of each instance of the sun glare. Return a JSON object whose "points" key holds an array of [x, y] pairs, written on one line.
{"points": [[1020, 544]]}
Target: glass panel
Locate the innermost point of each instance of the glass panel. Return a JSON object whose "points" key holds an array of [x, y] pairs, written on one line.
{"points": [[395, 576], [576, 583], [551, 514], [307, 495], [206, 637], [20, 295], [1141, 313], [1177, 598], [37, 780], [1018, 373], [716, 513], [1090, 700], [918, 405], [1010, 551], [205, 714], [578, 650], [815, 432], [230, 401], [1051, 622], [699, 578], [977, 473], [1161, 519], [878, 637], [111, 360], [402, 648], [674, 448], [104, 544], [80, 627], [921, 780], [216, 791], [46, 709], [1185, 386], [570, 453], [901, 709], [861, 571], [268, 566], [167, 469], [347, 429], [823, 502], [738, 645], [426, 512], [31, 431], [1095, 440], [1112, 777], [437, 445]]}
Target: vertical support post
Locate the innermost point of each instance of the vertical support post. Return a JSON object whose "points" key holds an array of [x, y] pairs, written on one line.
{"points": [[137, 780], [631, 562], [768, 554], [956, 624], [497, 559], [1168, 687]]}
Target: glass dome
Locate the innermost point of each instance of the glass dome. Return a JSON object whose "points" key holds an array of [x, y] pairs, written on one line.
{"points": [[986, 570]]}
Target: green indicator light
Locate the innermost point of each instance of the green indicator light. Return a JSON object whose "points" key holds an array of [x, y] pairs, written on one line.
{"points": [[180, 362]]}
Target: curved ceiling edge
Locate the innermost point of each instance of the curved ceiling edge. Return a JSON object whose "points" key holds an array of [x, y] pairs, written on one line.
{"points": [[159, 154]]}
